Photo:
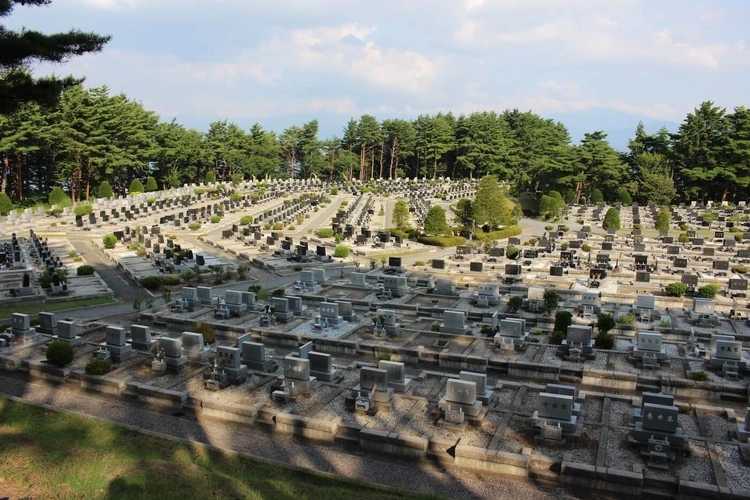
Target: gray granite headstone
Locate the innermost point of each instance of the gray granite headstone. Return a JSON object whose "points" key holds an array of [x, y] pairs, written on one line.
{"points": [[461, 391], [228, 357], [373, 377], [66, 330], [396, 371], [660, 418], [729, 349], [649, 341], [480, 379], [253, 351], [192, 341], [296, 368], [556, 406], [116, 336], [320, 362], [172, 347], [578, 334]]}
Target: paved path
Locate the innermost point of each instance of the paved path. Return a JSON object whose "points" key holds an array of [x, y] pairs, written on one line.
{"points": [[424, 477]]}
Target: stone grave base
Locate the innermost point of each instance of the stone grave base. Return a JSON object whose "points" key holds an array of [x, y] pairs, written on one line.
{"points": [[405, 387], [122, 356], [284, 317], [143, 347], [333, 376], [175, 365], [745, 453], [303, 385], [453, 426], [569, 427], [267, 366], [677, 441], [742, 433], [197, 356]]}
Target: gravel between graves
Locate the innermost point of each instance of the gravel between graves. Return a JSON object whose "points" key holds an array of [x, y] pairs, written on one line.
{"points": [[424, 387], [351, 378], [529, 403], [382, 420], [700, 366], [505, 397], [689, 425], [591, 409], [421, 424], [550, 357], [482, 436], [716, 427], [344, 329], [619, 454], [514, 440], [598, 363], [142, 374], [587, 447], [620, 413], [698, 467], [623, 345], [734, 471], [232, 394]]}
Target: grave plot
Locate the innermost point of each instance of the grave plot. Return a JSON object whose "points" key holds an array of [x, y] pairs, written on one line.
{"points": [[516, 435], [620, 413], [689, 423], [437, 342], [620, 455], [306, 400], [591, 410], [716, 427], [504, 397], [340, 331], [382, 420], [143, 374], [435, 301], [344, 293], [195, 387], [697, 467], [425, 386], [584, 451]]}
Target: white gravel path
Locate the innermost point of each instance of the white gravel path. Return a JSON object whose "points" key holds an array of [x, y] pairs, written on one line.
{"points": [[716, 427], [698, 467]]}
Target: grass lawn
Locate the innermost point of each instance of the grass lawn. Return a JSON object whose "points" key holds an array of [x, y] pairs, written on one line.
{"points": [[34, 308], [56, 455]]}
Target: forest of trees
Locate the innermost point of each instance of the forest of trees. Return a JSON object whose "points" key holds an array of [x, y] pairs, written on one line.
{"points": [[90, 136]]}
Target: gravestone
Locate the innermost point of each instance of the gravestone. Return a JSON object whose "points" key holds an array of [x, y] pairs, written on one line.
{"points": [[228, 360], [454, 322], [330, 311], [117, 343], [375, 380], [460, 402], [555, 410], [396, 376], [47, 323], [66, 331], [297, 372], [254, 357], [321, 366], [483, 394], [140, 338], [21, 327], [194, 346]]}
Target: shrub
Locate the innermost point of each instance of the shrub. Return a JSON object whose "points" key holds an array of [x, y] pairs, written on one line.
{"points": [[209, 335], [586, 247], [684, 227], [383, 356], [98, 367], [215, 219], [596, 196], [514, 303], [435, 327], [533, 241], [676, 289], [334, 191], [551, 300], [344, 203], [605, 322], [626, 319], [247, 219], [611, 219], [740, 269], [442, 241], [210, 177], [683, 238], [152, 282], [325, 232], [151, 184], [512, 253], [278, 226], [700, 376], [58, 197], [279, 292], [234, 197], [83, 209], [109, 241], [501, 234], [291, 228], [85, 270], [59, 353], [199, 191], [194, 226], [105, 190], [563, 319], [557, 337], [6, 205], [549, 228], [342, 251], [624, 197], [708, 291], [636, 226], [136, 187], [605, 341]]}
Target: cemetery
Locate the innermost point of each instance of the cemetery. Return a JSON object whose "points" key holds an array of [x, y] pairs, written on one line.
{"points": [[609, 359]]}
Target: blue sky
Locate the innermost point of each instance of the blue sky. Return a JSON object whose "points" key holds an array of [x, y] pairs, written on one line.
{"points": [[594, 64]]}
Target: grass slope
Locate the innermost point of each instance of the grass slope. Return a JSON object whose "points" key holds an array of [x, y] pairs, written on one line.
{"points": [[31, 309], [59, 455]]}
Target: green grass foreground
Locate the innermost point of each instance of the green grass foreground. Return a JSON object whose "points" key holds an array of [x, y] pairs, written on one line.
{"points": [[58, 455], [35, 308]]}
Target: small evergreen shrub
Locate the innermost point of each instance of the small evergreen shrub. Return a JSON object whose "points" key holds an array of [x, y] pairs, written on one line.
{"points": [[98, 367], [59, 353], [85, 270], [109, 241]]}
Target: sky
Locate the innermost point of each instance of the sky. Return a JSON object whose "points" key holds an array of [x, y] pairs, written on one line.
{"points": [[593, 64]]}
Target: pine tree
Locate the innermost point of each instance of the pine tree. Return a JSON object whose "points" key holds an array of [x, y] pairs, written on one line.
{"points": [[151, 184], [662, 219], [490, 205], [611, 219], [105, 190], [434, 222], [400, 216], [136, 187]]}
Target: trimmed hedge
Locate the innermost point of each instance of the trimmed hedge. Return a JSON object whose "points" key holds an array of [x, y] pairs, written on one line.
{"points": [[98, 367], [59, 353], [501, 234], [442, 241], [85, 270], [156, 282]]}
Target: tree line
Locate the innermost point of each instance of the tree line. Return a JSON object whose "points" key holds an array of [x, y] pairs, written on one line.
{"points": [[89, 136]]}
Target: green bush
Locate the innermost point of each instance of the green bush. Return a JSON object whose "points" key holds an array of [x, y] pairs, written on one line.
{"points": [[708, 291], [551, 300], [420, 263], [152, 282], [210, 177], [442, 241], [105, 190], [611, 219], [605, 341], [278, 226], [605, 322], [512, 253], [59, 353], [740, 269], [291, 228], [279, 292], [58, 197], [98, 367], [151, 184], [6, 205], [325, 232], [83, 209], [209, 335], [676, 289], [626, 319], [85, 270], [199, 191], [342, 251], [563, 319], [334, 191], [215, 219], [596, 196], [500, 234], [565, 246], [109, 241], [435, 327], [624, 197], [684, 227], [194, 226], [514, 303], [683, 238], [586, 247], [136, 187], [557, 337], [247, 219], [700, 376]]}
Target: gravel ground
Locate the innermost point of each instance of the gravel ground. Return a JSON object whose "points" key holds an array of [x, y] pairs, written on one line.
{"points": [[232, 394], [698, 466], [303, 403], [586, 449], [382, 420], [591, 409], [505, 397], [351, 378], [543, 454], [529, 403], [623, 345], [421, 425], [619, 454], [550, 357], [342, 330], [482, 436], [700, 366], [485, 350], [598, 363], [620, 413], [689, 425], [424, 387], [514, 438], [716, 427], [734, 471], [426, 479], [142, 374]]}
